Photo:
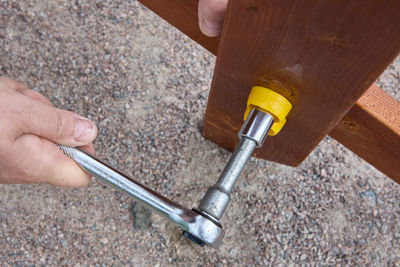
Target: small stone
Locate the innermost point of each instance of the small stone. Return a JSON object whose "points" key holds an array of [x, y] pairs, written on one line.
{"points": [[370, 197], [43, 259], [154, 122], [104, 241], [141, 216], [375, 212], [288, 215]]}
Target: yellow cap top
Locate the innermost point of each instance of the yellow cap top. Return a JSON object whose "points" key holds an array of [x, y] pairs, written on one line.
{"points": [[269, 101]]}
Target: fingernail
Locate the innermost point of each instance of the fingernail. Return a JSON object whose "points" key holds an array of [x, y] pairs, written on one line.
{"points": [[210, 28], [84, 130]]}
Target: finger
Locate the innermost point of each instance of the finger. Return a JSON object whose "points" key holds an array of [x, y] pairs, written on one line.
{"points": [[211, 16], [11, 83], [47, 163], [35, 96], [60, 126], [89, 148], [19, 87]]}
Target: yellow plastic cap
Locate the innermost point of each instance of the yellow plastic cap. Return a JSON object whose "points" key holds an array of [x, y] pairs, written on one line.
{"points": [[269, 101]]}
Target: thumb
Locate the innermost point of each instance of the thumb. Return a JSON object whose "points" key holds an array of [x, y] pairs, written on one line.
{"points": [[211, 16], [57, 125]]}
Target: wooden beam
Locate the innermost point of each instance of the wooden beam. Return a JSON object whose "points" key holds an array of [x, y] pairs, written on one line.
{"points": [[371, 129], [183, 15], [321, 55]]}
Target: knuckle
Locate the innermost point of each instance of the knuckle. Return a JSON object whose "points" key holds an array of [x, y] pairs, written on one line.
{"points": [[32, 94], [8, 118], [35, 95], [60, 125], [11, 84], [3, 81], [2, 85]]}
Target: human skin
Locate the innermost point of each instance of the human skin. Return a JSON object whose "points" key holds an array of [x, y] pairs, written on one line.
{"points": [[211, 16], [31, 127]]}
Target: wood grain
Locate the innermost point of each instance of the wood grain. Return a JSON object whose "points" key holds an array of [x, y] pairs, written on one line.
{"points": [[371, 129], [322, 55], [183, 15]]}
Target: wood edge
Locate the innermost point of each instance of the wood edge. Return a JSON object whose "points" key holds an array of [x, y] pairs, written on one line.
{"points": [[182, 14], [365, 107], [371, 129]]}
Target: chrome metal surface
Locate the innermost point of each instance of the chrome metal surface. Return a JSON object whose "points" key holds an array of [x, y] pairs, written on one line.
{"points": [[256, 126], [216, 200], [252, 134], [190, 221]]}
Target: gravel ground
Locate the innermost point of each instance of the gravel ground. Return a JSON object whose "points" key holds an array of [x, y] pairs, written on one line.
{"points": [[146, 86]]}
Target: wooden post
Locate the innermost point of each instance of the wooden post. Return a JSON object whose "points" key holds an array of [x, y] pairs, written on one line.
{"points": [[183, 15], [321, 55], [371, 128]]}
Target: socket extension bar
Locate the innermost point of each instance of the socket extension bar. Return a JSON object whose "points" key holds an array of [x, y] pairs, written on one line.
{"points": [[201, 225]]}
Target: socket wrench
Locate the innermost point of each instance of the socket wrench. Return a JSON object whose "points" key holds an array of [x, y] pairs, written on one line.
{"points": [[199, 225]]}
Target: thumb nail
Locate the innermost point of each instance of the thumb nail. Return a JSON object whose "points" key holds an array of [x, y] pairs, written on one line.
{"points": [[210, 28], [84, 130]]}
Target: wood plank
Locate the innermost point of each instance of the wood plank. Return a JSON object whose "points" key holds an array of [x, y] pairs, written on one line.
{"points": [[183, 15], [321, 55], [371, 129]]}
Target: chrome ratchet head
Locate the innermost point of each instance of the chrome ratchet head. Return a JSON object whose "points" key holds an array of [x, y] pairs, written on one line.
{"points": [[205, 231]]}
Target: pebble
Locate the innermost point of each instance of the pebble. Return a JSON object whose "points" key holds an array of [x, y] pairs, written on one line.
{"points": [[146, 86], [369, 197], [141, 216], [104, 240]]}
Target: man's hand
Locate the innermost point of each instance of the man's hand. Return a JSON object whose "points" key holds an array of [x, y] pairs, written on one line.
{"points": [[30, 128], [211, 16]]}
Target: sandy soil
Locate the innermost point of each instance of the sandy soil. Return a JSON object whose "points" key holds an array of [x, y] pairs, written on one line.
{"points": [[145, 85]]}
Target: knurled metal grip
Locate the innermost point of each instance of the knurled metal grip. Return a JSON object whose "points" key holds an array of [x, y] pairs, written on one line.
{"points": [[201, 225]]}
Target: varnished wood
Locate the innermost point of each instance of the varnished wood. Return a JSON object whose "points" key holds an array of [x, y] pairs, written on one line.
{"points": [[371, 129], [321, 55], [183, 15]]}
